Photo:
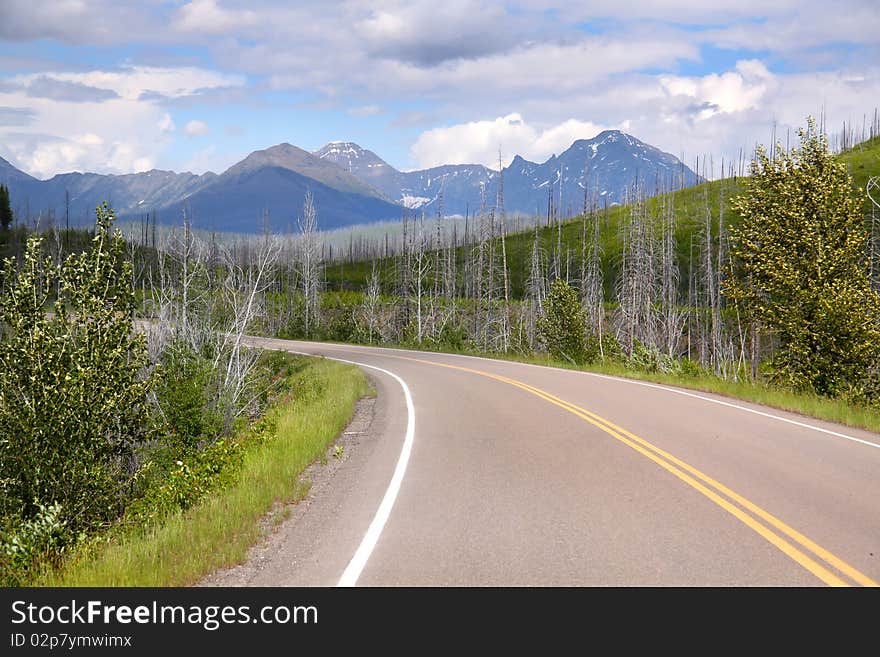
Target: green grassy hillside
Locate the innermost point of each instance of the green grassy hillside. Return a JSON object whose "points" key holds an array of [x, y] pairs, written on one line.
{"points": [[689, 207]]}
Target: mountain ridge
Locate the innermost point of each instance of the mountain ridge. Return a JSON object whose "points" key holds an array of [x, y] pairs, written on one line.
{"points": [[354, 185]]}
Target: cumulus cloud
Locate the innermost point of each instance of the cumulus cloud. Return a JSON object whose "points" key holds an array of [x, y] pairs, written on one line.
{"points": [[75, 21], [208, 17], [196, 128], [133, 82], [16, 116], [701, 116], [69, 127], [479, 142], [733, 91], [426, 33], [457, 63]]}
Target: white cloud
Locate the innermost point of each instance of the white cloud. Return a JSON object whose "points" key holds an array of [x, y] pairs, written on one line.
{"points": [[426, 32], [479, 142], [722, 115], [207, 17], [733, 91], [132, 82], [196, 128], [76, 21], [429, 63], [120, 134], [166, 124]]}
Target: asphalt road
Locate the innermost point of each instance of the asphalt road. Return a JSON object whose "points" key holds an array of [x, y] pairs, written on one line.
{"points": [[509, 474]]}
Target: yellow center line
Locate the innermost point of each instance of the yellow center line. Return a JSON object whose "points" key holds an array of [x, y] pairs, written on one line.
{"points": [[681, 469]]}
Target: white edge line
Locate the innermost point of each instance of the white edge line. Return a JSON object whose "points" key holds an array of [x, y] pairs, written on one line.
{"points": [[637, 383], [374, 531]]}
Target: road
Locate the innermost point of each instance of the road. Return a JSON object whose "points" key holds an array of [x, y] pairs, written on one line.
{"points": [[477, 472]]}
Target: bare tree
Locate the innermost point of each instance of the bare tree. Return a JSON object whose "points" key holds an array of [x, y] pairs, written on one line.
{"points": [[536, 287], [592, 289], [505, 324], [244, 288], [371, 301], [309, 262], [637, 278], [420, 263], [672, 317]]}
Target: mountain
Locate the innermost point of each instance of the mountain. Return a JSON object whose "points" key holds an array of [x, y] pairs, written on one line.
{"points": [[286, 156], [460, 183], [274, 182], [352, 185], [238, 201], [364, 165], [9, 175], [269, 182], [606, 166]]}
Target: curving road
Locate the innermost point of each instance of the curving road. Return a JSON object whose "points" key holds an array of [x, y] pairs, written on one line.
{"points": [[478, 472]]}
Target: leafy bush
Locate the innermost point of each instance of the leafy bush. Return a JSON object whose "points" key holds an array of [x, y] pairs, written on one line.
{"points": [[562, 328], [182, 394], [73, 383], [177, 479], [23, 544]]}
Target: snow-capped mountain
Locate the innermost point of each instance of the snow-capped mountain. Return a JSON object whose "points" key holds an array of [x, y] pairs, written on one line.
{"points": [[352, 185], [605, 168]]}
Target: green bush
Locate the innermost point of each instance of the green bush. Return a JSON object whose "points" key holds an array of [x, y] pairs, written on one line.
{"points": [[24, 544], [562, 327], [183, 392], [175, 479], [73, 384]]}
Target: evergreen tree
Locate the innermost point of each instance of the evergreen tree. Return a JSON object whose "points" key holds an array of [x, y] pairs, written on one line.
{"points": [[798, 268], [5, 208]]}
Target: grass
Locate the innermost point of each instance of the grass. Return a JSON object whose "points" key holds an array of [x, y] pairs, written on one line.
{"points": [[218, 531]]}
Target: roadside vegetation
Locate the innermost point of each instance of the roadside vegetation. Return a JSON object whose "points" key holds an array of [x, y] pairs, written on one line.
{"points": [[215, 504], [107, 433]]}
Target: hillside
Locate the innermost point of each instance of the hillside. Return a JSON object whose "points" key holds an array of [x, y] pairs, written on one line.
{"points": [[689, 207]]}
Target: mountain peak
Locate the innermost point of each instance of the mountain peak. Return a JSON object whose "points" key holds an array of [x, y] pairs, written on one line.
{"points": [[350, 156], [339, 151]]}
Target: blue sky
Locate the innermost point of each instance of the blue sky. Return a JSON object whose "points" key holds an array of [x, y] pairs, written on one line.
{"points": [[118, 87]]}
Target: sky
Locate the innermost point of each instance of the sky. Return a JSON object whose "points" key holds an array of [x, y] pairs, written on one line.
{"points": [[118, 87]]}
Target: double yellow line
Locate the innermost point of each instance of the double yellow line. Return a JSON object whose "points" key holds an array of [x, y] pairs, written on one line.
{"points": [[787, 539]]}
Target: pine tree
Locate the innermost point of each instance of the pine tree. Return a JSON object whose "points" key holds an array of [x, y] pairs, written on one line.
{"points": [[798, 265], [5, 208]]}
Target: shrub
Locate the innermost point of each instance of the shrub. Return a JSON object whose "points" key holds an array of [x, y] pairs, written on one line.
{"points": [[562, 328], [182, 394], [73, 384], [24, 544]]}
